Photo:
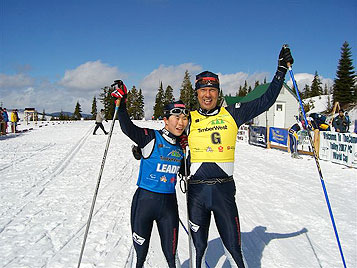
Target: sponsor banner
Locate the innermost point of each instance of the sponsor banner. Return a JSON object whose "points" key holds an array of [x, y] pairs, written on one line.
{"points": [[339, 148], [242, 134], [257, 136], [304, 141], [278, 135]]}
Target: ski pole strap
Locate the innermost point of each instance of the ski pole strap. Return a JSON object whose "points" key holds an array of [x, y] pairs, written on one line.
{"points": [[211, 181], [183, 185]]}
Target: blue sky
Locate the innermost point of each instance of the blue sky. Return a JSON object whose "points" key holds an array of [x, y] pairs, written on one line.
{"points": [[53, 53]]}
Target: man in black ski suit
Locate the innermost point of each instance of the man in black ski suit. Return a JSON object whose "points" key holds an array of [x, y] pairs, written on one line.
{"points": [[211, 138]]}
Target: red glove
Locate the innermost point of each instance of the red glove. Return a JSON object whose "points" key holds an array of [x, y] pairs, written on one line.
{"points": [[183, 139], [120, 90]]}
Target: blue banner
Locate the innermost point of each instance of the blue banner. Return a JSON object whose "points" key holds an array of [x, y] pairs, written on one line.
{"points": [[257, 136], [278, 135]]}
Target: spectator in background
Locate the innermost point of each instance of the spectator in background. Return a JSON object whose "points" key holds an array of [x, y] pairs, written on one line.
{"points": [[14, 119], [340, 122], [6, 118], [320, 122], [348, 121], [293, 139], [2, 122], [99, 122]]}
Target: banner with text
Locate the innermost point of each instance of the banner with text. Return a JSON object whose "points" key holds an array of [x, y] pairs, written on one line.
{"points": [[257, 136], [242, 134], [278, 135], [339, 148]]}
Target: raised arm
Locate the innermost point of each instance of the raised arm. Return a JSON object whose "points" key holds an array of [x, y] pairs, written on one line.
{"points": [[243, 112]]}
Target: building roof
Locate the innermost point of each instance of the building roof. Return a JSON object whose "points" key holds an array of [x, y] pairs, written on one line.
{"points": [[254, 94]]}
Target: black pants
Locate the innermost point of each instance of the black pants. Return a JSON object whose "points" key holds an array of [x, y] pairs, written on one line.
{"points": [[146, 208], [99, 125], [219, 199]]}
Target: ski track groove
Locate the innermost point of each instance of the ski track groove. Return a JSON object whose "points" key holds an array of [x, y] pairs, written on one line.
{"points": [[99, 211], [26, 157], [57, 170]]}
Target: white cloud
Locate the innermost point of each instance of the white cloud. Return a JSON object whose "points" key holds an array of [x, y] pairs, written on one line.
{"points": [[173, 76], [15, 81], [85, 81], [230, 82], [91, 76], [303, 79], [79, 84], [168, 75]]}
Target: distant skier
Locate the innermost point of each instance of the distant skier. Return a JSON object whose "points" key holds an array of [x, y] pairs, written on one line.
{"points": [[155, 197], [99, 122], [293, 139]]}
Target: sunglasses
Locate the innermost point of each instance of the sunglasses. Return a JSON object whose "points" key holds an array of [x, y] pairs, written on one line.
{"points": [[178, 111], [208, 82]]}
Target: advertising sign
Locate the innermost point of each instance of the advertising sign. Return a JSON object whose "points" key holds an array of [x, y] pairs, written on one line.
{"points": [[257, 136], [242, 134], [278, 135], [339, 148]]}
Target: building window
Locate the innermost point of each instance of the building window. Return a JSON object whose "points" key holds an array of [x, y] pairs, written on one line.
{"points": [[279, 107]]}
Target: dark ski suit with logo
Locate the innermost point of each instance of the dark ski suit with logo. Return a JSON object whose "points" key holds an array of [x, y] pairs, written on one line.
{"points": [[155, 198], [209, 195]]}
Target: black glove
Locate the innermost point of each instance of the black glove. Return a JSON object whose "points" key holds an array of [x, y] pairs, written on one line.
{"points": [[136, 152], [284, 58]]}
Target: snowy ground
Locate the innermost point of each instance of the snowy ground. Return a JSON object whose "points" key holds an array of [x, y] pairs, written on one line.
{"points": [[48, 177]]}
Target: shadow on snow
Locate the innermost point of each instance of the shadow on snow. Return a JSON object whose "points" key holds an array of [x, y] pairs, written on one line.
{"points": [[254, 243]]}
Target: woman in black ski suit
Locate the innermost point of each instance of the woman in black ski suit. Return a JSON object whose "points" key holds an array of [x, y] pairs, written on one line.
{"points": [[155, 198]]}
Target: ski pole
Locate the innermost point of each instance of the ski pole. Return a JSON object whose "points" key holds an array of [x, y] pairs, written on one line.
{"points": [[188, 219], [98, 182], [317, 165]]}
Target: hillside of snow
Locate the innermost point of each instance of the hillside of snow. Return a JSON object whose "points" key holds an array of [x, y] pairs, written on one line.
{"points": [[49, 174]]}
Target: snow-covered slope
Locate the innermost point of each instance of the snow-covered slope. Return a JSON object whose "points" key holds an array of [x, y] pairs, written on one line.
{"points": [[48, 178]]}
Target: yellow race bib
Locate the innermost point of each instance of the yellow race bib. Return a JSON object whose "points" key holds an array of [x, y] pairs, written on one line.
{"points": [[212, 138]]}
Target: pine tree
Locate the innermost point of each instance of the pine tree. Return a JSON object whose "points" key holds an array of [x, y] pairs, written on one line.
{"points": [[94, 108], [43, 115], [249, 89], [168, 95], [61, 116], [239, 92], [108, 102], [316, 89], [325, 90], [77, 112], [265, 80], [344, 84], [329, 104], [135, 104], [131, 102], [220, 98], [256, 84], [187, 93], [141, 110], [243, 90], [306, 94], [159, 105]]}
